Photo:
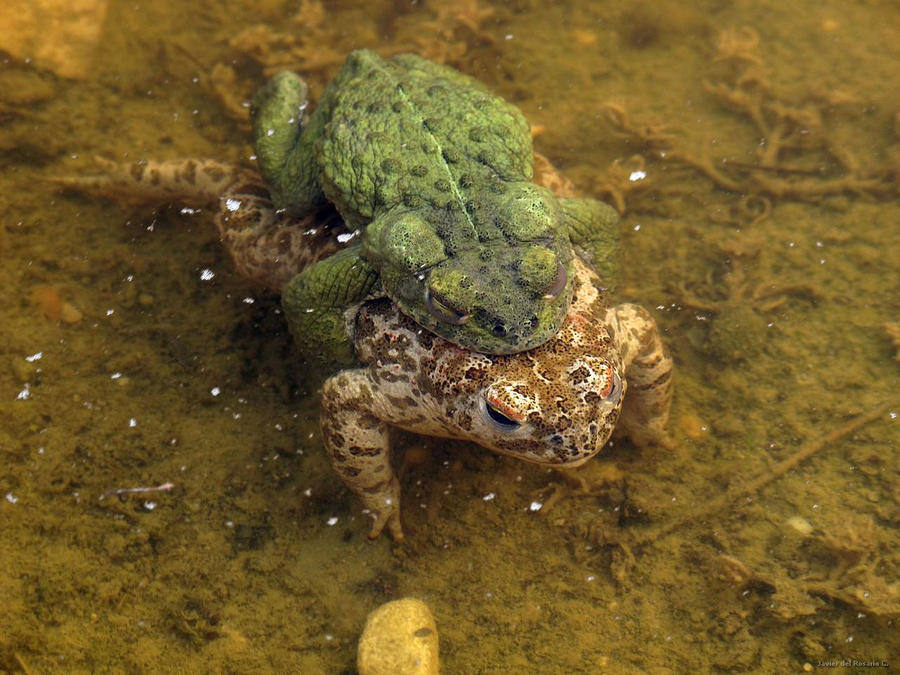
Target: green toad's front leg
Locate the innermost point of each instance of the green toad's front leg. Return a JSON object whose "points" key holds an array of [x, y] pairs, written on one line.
{"points": [[648, 374], [315, 301], [594, 231], [358, 444], [284, 137]]}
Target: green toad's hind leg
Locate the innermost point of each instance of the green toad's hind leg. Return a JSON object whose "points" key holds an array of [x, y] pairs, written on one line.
{"points": [[316, 300], [358, 443], [648, 374], [284, 137], [594, 231]]}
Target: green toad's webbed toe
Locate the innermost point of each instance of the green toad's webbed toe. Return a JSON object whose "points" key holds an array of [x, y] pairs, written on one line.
{"points": [[315, 300], [284, 140], [594, 230]]}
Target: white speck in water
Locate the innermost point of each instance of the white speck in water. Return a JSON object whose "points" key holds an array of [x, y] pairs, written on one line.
{"points": [[637, 228], [343, 238], [11, 498], [206, 274], [236, 415], [892, 415], [850, 639], [25, 393], [188, 211], [132, 422], [278, 427], [34, 357], [149, 505], [489, 496], [535, 506], [232, 204], [115, 376], [508, 36], [815, 507], [329, 636], [635, 176], [248, 300], [591, 577], [229, 523], [821, 261], [307, 492], [110, 312], [215, 391], [270, 132], [332, 521]]}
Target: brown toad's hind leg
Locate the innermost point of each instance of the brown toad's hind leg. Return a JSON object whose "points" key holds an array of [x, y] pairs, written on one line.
{"points": [[648, 374], [191, 182], [267, 246], [358, 444]]}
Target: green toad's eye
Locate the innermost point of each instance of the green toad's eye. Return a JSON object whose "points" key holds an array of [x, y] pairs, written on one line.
{"points": [[558, 284], [498, 418], [443, 310]]}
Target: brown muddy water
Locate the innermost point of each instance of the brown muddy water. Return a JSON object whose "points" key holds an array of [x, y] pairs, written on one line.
{"points": [[754, 150]]}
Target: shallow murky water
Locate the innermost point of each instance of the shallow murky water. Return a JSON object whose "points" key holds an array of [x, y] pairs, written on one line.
{"points": [[754, 148]]}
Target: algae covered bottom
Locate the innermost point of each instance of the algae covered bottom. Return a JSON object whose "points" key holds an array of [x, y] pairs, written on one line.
{"points": [[752, 149]]}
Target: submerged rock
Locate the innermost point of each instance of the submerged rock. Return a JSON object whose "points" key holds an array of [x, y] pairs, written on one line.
{"points": [[59, 35], [400, 638]]}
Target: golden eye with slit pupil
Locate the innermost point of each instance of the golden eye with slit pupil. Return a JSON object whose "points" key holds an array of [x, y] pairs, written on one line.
{"points": [[615, 389], [441, 309], [558, 284], [498, 418]]}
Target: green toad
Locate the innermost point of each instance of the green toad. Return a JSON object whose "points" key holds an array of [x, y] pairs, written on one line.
{"points": [[435, 174]]}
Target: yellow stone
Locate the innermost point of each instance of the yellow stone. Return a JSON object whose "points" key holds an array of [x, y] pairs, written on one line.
{"points": [[801, 525], [400, 638], [69, 313], [693, 427], [59, 35]]}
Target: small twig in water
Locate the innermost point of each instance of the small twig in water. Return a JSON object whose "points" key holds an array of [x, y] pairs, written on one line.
{"points": [[165, 487], [731, 495]]}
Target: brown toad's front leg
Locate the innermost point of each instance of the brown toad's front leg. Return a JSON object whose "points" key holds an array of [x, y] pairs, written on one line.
{"points": [[648, 374], [357, 442]]}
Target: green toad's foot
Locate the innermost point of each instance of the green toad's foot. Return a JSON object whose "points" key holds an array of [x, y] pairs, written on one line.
{"points": [[319, 301], [594, 230]]}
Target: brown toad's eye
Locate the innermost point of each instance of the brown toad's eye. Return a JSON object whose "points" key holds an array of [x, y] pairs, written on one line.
{"points": [[614, 389], [498, 418], [558, 284], [443, 310]]}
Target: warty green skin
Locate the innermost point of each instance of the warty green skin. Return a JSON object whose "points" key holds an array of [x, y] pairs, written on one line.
{"points": [[435, 172]]}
